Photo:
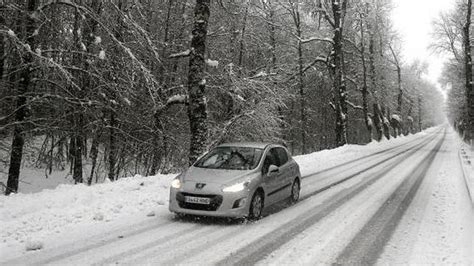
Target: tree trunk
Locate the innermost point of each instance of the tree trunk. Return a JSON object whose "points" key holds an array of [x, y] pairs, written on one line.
{"points": [[112, 146], [51, 154], [378, 122], [386, 126], [21, 100], [78, 149], [2, 49], [77, 116], [93, 155], [302, 107], [364, 89], [197, 108], [400, 91], [419, 114], [339, 83], [468, 72], [242, 38]]}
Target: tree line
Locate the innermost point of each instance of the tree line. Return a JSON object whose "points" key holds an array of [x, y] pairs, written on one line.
{"points": [[145, 86], [453, 34]]}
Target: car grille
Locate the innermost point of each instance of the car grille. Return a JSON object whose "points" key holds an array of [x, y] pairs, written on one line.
{"points": [[216, 201]]}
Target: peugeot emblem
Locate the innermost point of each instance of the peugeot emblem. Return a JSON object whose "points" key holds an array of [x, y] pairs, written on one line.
{"points": [[200, 185]]}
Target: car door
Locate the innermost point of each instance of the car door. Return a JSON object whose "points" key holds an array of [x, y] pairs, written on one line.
{"points": [[285, 177], [271, 180]]}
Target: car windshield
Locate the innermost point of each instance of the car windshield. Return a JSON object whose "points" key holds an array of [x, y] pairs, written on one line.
{"points": [[231, 158]]}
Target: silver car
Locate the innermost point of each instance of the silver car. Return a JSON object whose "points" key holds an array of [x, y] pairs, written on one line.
{"points": [[236, 180]]}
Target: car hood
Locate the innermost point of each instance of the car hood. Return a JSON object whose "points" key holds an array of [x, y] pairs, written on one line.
{"points": [[217, 176]]}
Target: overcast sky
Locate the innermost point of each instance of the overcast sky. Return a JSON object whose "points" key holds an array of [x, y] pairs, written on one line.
{"points": [[412, 19]]}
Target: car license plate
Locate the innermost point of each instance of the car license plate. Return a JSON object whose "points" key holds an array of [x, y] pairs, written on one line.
{"points": [[197, 200]]}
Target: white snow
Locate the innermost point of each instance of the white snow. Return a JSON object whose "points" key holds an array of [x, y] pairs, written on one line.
{"points": [[102, 54], [212, 63], [33, 245], [436, 228], [178, 98], [54, 212], [97, 40], [369, 121], [181, 54], [11, 33], [396, 117], [260, 74]]}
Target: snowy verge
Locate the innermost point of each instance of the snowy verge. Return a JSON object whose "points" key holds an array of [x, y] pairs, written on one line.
{"points": [[317, 161], [29, 218], [466, 156]]}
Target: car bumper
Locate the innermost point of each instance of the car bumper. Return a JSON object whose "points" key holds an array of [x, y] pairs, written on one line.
{"points": [[224, 203]]}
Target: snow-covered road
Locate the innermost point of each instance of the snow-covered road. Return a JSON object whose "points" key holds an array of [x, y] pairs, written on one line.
{"points": [[405, 203]]}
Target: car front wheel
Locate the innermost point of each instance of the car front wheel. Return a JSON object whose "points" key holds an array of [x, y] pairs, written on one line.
{"points": [[295, 191], [256, 206]]}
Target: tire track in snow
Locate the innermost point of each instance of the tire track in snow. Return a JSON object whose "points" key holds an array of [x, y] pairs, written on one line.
{"points": [[366, 247], [111, 237], [170, 240], [424, 142], [365, 157], [263, 246]]}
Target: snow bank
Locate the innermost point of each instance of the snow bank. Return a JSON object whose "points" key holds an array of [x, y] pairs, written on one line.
{"points": [[466, 156], [314, 162], [37, 215]]}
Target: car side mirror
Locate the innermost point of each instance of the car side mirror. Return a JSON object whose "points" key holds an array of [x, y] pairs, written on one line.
{"points": [[273, 170]]}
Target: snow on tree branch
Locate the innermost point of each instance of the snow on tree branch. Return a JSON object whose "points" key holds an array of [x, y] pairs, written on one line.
{"points": [[313, 39], [181, 54], [351, 104]]}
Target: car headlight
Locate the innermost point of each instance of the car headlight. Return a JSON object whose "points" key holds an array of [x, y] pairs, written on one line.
{"points": [[176, 183], [236, 187]]}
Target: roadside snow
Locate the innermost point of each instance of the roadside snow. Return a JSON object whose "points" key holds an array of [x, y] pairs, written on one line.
{"points": [[466, 156], [33, 217], [311, 163]]}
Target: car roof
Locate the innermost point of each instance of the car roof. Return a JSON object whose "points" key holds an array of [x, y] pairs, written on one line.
{"points": [[259, 145]]}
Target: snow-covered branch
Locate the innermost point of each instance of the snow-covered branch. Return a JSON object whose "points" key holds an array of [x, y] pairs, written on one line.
{"points": [[185, 53], [316, 39], [173, 100], [351, 104], [318, 59], [228, 124], [177, 99]]}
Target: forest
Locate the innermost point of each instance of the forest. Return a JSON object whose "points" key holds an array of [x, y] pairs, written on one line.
{"points": [[113, 88]]}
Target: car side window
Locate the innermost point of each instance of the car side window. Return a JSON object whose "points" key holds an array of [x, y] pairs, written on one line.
{"points": [[282, 156], [270, 158]]}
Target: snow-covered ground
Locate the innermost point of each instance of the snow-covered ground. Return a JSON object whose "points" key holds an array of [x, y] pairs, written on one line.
{"points": [[435, 228]]}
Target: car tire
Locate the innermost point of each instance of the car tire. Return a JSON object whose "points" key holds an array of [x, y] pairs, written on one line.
{"points": [[295, 191], [256, 206]]}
